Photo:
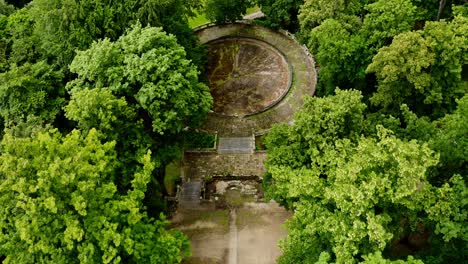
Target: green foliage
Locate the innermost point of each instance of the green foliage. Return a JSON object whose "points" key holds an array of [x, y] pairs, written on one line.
{"points": [[314, 12], [351, 199], [5, 8], [321, 122], [461, 10], [281, 13], [344, 46], [22, 44], [148, 68], [448, 207], [222, 11], [116, 120], [194, 139], [60, 204], [340, 55], [67, 25], [4, 43], [356, 196], [423, 68], [377, 258], [451, 141], [30, 89], [430, 9], [387, 19], [98, 108]]}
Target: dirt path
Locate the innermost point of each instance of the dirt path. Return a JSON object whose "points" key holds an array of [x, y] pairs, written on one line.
{"points": [[232, 259], [246, 235]]}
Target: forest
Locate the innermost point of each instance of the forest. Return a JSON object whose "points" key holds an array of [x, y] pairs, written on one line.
{"points": [[98, 96]]}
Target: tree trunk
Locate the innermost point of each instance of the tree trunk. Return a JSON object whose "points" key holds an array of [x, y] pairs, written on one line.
{"points": [[441, 8]]}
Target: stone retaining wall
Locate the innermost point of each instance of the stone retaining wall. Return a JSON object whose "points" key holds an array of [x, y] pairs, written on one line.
{"points": [[303, 84]]}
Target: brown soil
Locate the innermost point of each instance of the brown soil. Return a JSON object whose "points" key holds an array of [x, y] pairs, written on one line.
{"points": [[245, 75]]}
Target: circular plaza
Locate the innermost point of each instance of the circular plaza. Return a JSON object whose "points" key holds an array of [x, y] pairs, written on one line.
{"points": [[257, 77]]}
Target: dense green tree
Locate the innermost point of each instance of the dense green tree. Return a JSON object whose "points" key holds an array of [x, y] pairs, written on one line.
{"points": [[67, 25], [149, 69], [223, 11], [451, 141], [3, 43], [31, 89], [314, 12], [430, 10], [142, 89], [386, 19], [21, 45], [355, 196], [116, 120], [52, 31], [322, 121], [60, 204], [343, 50], [281, 13], [423, 69], [340, 54], [5, 8]]}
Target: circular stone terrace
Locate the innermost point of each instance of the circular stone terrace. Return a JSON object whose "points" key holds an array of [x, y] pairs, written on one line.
{"points": [[257, 77]]}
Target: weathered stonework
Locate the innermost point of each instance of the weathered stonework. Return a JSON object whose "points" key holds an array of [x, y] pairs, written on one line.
{"points": [[204, 165], [303, 81]]}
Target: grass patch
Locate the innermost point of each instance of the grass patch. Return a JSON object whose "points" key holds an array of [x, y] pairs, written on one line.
{"points": [[171, 177], [200, 19], [252, 10]]}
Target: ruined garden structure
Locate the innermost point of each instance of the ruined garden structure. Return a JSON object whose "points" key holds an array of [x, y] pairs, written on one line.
{"points": [[258, 77]]}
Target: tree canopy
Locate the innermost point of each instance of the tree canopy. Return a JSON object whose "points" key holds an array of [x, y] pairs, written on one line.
{"points": [[95, 96], [223, 11], [119, 95], [60, 204], [281, 13], [356, 195], [423, 68], [148, 68]]}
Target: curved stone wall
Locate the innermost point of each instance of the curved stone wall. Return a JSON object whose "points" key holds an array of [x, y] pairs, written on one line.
{"points": [[301, 81]]}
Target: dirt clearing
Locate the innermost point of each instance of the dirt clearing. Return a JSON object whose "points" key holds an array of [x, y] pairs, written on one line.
{"points": [[255, 230]]}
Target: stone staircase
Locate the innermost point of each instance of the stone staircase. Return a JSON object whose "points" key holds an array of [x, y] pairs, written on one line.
{"points": [[234, 156], [236, 145], [190, 195]]}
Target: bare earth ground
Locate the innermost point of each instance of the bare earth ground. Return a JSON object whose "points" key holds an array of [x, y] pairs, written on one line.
{"points": [[245, 75], [258, 226]]}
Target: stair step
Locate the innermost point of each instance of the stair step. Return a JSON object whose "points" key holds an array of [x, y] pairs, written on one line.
{"points": [[236, 145]]}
